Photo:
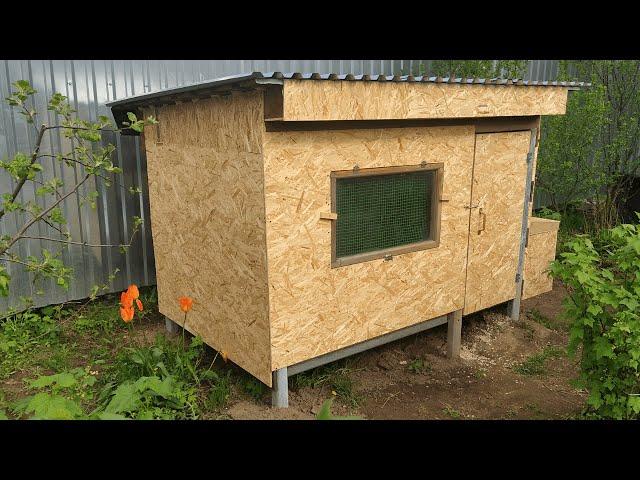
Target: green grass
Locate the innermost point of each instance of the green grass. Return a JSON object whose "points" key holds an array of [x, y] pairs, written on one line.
{"points": [[335, 376], [23, 337], [251, 386], [529, 332], [552, 324], [480, 373], [535, 315], [219, 392], [418, 366], [536, 363], [452, 412]]}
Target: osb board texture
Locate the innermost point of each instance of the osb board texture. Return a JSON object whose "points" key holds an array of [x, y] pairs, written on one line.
{"points": [[541, 225], [540, 252], [499, 177], [315, 309], [344, 100], [207, 218]]}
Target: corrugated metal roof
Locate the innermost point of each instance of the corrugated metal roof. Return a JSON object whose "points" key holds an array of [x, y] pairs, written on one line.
{"points": [[193, 89]]}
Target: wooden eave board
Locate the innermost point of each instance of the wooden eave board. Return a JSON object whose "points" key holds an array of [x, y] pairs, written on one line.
{"points": [[344, 100]]}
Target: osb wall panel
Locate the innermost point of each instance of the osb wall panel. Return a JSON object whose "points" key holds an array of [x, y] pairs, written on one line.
{"points": [[541, 225], [343, 100], [500, 172], [316, 309], [541, 251], [207, 216]]}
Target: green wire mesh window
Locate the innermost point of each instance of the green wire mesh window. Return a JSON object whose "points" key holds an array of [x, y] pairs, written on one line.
{"points": [[379, 212]]}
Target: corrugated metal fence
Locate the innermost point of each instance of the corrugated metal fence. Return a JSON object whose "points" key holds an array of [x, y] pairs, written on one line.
{"points": [[89, 84]]}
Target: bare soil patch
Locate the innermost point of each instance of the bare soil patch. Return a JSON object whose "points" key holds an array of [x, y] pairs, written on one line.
{"points": [[413, 379]]}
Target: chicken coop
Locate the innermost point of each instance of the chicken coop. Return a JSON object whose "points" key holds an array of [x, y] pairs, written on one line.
{"points": [[314, 216]]}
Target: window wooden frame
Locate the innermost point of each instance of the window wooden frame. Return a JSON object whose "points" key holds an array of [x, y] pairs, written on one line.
{"points": [[389, 253]]}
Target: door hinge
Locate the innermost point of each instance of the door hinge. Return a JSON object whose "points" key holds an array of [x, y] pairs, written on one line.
{"points": [[518, 277], [529, 157]]}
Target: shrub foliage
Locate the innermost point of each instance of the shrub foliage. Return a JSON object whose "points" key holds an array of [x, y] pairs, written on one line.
{"points": [[603, 277]]}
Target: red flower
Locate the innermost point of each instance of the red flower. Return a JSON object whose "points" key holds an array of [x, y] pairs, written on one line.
{"points": [[185, 303], [133, 291], [126, 300], [126, 313], [126, 303]]}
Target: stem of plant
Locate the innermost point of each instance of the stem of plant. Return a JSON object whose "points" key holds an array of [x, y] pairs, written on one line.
{"points": [[183, 325]]}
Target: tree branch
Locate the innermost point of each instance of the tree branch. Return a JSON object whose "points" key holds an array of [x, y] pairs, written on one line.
{"points": [[34, 157], [84, 244], [42, 214]]}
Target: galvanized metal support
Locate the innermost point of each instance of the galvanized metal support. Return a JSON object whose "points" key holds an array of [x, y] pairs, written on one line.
{"points": [[454, 333], [514, 305], [171, 326], [366, 345], [280, 389]]}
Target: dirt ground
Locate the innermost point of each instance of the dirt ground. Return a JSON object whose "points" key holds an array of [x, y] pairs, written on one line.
{"points": [[412, 378]]}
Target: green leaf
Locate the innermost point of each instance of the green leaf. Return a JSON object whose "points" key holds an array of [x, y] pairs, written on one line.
{"points": [[61, 380], [4, 282], [53, 407], [325, 412], [634, 403], [111, 416], [3, 415], [603, 348], [126, 398]]}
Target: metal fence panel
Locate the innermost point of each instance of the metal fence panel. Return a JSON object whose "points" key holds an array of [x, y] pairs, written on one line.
{"points": [[89, 84]]}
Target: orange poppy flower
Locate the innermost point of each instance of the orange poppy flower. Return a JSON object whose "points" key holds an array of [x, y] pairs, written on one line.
{"points": [[126, 300], [133, 291], [185, 303], [139, 304], [126, 313]]}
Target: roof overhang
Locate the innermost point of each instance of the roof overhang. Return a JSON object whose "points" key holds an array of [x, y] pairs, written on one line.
{"points": [[250, 81]]}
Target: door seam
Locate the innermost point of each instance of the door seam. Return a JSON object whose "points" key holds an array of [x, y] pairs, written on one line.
{"points": [[466, 266]]}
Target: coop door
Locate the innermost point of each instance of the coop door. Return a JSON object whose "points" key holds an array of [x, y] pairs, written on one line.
{"points": [[497, 197]]}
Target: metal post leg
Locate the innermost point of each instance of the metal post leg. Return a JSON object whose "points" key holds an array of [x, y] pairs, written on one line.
{"points": [[513, 309], [171, 326], [454, 333], [280, 390]]}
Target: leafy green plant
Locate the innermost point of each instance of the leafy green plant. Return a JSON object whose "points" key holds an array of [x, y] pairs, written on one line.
{"points": [[150, 398], [603, 307], [60, 396], [325, 413], [545, 212], [163, 358]]}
